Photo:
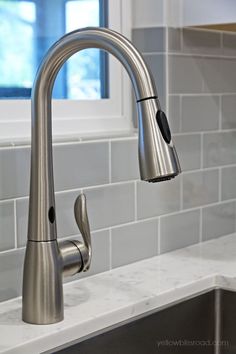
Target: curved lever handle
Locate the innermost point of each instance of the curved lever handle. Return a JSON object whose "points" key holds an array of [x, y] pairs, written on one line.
{"points": [[81, 217]]}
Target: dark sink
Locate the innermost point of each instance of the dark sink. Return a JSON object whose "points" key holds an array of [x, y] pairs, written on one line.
{"points": [[188, 327]]}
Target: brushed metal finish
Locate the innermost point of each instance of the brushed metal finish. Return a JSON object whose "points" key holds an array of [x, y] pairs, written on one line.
{"points": [[157, 159], [187, 327], [81, 217], [71, 257], [42, 283], [44, 261]]}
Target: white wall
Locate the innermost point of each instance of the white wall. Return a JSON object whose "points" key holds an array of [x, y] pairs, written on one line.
{"points": [[193, 12], [148, 13]]}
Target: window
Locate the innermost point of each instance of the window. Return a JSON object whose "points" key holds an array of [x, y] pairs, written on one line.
{"points": [[90, 93], [82, 77]]}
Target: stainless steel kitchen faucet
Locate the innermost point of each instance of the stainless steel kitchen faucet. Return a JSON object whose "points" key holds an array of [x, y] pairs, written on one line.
{"points": [[46, 261]]}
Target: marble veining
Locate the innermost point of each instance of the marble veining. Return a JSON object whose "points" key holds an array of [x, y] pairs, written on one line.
{"points": [[105, 299]]}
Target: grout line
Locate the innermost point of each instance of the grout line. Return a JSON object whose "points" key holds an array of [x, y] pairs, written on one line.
{"points": [[220, 184], [181, 113], [154, 53], [201, 226], [109, 160], [194, 54], [135, 202], [80, 189], [200, 94], [167, 70], [110, 249], [15, 225], [201, 151], [223, 131], [94, 187], [220, 112], [221, 42], [157, 217]]}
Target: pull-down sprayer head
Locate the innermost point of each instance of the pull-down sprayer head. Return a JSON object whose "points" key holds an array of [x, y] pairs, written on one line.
{"points": [[158, 160]]}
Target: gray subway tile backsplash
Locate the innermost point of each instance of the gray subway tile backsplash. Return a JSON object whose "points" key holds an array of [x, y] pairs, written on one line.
{"points": [[155, 199], [149, 40], [200, 113], [229, 44], [131, 243], [7, 226], [110, 205], [124, 160], [229, 112], [80, 165], [179, 230], [218, 220], [174, 115], [22, 206], [201, 41], [200, 188], [124, 212], [185, 74], [15, 171], [11, 274], [219, 149], [219, 75], [189, 151], [228, 183]]}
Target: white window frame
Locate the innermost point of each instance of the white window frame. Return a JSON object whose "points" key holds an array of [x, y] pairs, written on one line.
{"points": [[81, 117]]}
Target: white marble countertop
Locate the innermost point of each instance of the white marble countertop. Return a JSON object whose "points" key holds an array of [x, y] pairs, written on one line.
{"points": [[103, 300]]}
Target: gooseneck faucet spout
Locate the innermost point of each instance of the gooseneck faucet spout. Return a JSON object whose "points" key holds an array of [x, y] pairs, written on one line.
{"points": [[46, 261]]}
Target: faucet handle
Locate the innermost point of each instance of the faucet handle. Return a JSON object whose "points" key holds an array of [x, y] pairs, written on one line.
{"points": [[81, 217]]}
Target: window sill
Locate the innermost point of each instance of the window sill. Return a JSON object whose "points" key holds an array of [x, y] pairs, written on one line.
{"points": [[64, 139]]}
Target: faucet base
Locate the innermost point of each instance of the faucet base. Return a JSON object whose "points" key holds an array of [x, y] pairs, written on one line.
{"points": [[42, 283]]}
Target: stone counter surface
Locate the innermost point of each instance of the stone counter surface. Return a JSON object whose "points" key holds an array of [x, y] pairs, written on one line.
{"points": [[94, 303]]}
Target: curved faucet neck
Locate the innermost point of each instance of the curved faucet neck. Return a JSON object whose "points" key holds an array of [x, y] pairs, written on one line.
{"points": [[42, 222]]}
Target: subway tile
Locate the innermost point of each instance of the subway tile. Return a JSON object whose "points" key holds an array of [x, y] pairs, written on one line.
{"points": [[228, 183], [124, 160], [11, 265], [156, 62], [155, 199], [150, 39], [15, 172], [82, 164], [180, 230], [219, 149], [229, 44], [218, 220], [7, 229], [131, 243], [201, 41], [107, 206], [174, 39], [200, 113], [100, 255], [110, 205], [200, 188], [189, 151], [22, 206], [185, 74], [219, 75], [229, 112], [66, 224], [174, 113]]}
